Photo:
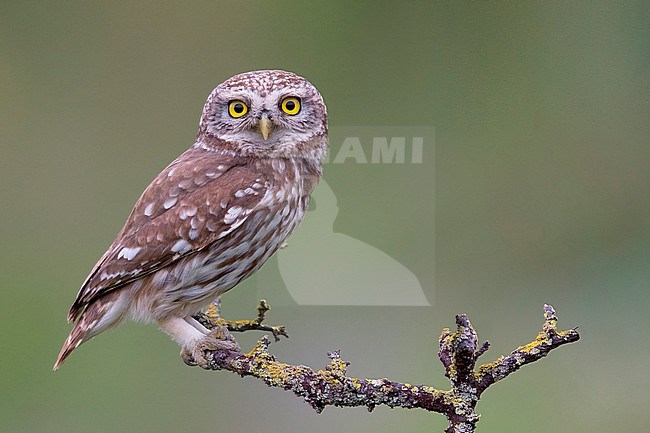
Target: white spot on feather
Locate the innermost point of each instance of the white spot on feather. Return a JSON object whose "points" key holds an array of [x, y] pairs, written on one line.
{"points": [[148, 211], [245, 192], [233, 226], [181, 246], [185, 183], [232, 214], [187, 212], [128, 253], [107, 276], [169, 202]]}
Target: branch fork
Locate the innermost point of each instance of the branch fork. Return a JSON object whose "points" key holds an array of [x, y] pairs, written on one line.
{"points": [[459, 352]]}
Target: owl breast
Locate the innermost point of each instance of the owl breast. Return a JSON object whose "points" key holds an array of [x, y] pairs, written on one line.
{"points": [[194, 281]]}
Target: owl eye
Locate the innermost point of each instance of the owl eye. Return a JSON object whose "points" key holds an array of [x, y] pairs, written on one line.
{"points": [[290, 105], [237, 108]]}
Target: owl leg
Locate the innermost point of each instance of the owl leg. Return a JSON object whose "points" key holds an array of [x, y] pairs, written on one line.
{"points": [[195, 342], [219, 329], [192, 321]]}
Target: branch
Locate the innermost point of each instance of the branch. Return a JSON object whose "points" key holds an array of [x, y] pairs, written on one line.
{"points": [[548, 339], [331, 386], [212, 319]]}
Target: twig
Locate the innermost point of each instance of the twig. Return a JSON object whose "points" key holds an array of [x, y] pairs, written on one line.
{"points": [[458, 353], [548, 339], [212, 318]]}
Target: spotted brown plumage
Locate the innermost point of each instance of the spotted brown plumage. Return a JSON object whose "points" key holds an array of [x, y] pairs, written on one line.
{"points": [[213, 216], [180, 213]]}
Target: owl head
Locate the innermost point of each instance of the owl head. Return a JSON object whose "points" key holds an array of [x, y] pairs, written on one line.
{"points": [[269, 113]]}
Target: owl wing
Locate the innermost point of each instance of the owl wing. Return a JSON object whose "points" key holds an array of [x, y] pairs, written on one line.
{"points": [[198, 199]]}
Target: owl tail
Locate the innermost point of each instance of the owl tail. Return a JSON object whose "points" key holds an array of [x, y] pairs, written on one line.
{"points": [[90, 323], [75, 338]]}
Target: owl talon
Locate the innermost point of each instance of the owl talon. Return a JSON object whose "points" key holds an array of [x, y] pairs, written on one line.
{"points": [[188, 358], [218, 339]]}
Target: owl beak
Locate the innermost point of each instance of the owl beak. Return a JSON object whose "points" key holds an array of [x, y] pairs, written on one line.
{"points": [[266, 126]]}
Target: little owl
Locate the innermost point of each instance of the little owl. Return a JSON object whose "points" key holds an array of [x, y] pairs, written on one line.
{"points": [[213, 216]]}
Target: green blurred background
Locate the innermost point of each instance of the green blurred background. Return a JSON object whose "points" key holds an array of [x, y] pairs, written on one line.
{"points": [[541, 194]]}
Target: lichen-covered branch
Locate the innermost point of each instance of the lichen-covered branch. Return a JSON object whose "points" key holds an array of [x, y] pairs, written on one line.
{"points": [[329, 386], [459, 352], [548, 339], [212, 318]]}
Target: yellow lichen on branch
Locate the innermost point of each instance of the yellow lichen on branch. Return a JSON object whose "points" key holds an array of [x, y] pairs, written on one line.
{"points": [[212, 318], [330, 386]]}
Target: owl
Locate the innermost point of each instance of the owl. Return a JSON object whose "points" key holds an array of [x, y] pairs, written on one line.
{"points": [[213, 216]]}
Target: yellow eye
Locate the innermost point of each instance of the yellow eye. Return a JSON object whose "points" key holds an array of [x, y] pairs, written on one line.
{"points": [[237, 108], [291, 105]]}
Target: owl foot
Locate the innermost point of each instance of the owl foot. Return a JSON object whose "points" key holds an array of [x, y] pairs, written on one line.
{"points": [[217, 339]]}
